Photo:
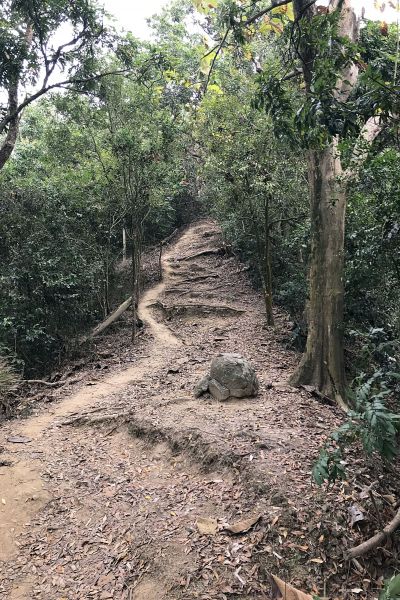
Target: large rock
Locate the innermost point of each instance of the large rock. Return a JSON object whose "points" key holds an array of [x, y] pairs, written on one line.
{"points": [[231, 375]]}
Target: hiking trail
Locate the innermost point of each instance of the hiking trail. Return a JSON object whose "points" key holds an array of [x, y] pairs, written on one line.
{"points": [[106, 489]]}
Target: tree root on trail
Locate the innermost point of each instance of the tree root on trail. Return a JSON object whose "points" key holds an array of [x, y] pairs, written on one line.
{"points": [[88, 419], [206, 292], [375, 541], [217, 251], [52, 384], [197, 309], [176, 290], [198, 278]]}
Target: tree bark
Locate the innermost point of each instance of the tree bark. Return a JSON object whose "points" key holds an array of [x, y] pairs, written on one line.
{"points": [[322, 364], [13, 116], [267, 265], [134, 278], [9, 142]]}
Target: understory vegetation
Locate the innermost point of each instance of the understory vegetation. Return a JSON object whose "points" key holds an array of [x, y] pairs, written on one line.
{"points": [[278, 120]]}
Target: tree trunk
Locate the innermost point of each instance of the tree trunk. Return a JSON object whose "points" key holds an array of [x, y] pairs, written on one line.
{"points": [[267, 266], [134, 279], [10, 140], [322, 364], [136, 247], [124, 253]]}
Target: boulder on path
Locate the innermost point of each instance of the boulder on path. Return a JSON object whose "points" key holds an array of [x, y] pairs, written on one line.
{"points": [[231, 375]]}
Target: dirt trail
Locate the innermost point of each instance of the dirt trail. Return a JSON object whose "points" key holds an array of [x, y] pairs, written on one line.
{"points": [[105, 500], [21, 487]]}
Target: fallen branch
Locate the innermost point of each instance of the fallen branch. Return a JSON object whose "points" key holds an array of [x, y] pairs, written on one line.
{"points": [[110, 320], [377, 540], [169, 238]]}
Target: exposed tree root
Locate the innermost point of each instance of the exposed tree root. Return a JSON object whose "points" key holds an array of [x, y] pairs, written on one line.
{"points": [[175, 290], [197, 310], [190, 441], [88, 419], [377, 540], [52, 384], [199, 278], [217, 251]]}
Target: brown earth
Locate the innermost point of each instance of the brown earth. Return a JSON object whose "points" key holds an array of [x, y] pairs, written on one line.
{"points": [[104, 493]]}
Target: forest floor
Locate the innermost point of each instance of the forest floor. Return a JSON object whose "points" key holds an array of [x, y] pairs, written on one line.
{"points": [[126, 485]]}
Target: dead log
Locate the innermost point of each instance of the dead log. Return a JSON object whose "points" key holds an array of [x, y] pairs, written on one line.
{"points": [[375, 541], [110, 319], [169, 238]]}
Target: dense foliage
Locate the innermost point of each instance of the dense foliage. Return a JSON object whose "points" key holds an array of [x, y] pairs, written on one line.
{"points": [[227, 124]]}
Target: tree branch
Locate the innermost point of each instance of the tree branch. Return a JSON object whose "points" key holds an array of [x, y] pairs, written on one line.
{"points": [[377, 540], [369, 133], [221, 45], [263, 12], [67, 82], [12, 133]]}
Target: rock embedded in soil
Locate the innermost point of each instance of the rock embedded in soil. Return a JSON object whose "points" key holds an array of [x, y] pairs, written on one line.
{"points": [[231, 375], [202, 386]]}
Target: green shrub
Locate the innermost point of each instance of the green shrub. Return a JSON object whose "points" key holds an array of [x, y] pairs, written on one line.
{"points": [[370, 422], [392, 589]]}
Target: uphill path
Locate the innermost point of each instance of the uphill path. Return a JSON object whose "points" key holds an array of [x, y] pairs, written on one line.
{"points": [[126, 489]]}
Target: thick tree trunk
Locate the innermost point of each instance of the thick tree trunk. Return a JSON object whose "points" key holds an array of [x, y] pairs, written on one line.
{"points": [[322, 364], [9, 142]]}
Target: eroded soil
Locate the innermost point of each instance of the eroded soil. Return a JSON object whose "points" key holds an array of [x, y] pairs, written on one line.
{"points": [[106, 487]]}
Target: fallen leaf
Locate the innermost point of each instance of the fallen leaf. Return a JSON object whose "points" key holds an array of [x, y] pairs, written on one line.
{"points": [[244, 525], [356, 514], [207, 525], [284, 591], [319, 561], [389, 498]]}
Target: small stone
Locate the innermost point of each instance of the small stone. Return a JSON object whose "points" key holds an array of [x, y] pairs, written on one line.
{"points": [[201, 386]]}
